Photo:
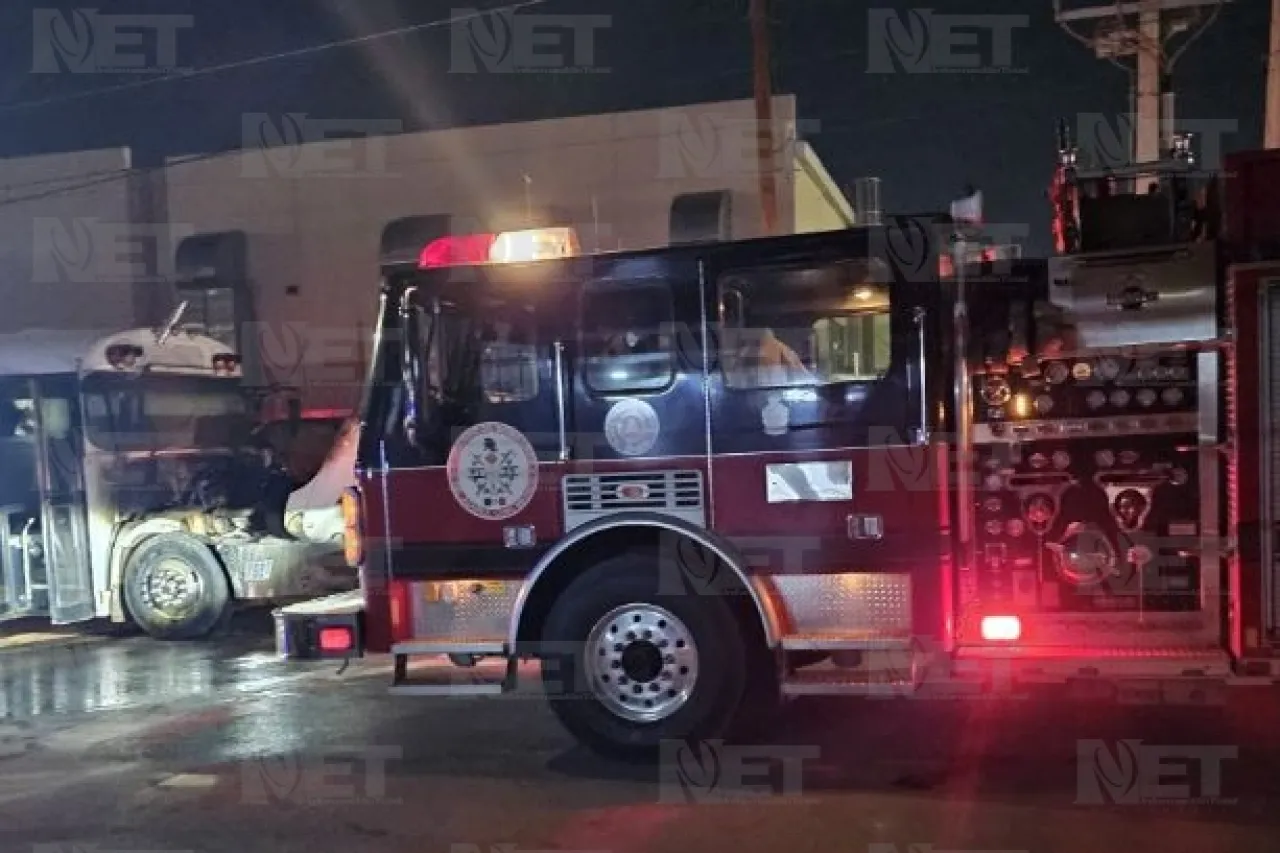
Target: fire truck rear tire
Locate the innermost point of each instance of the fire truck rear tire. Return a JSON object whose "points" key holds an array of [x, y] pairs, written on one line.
{"points": [[605, 714], [176, 565]]}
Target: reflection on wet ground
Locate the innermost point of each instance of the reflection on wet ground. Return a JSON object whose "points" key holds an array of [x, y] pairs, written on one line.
{"points": [[102, 671]]}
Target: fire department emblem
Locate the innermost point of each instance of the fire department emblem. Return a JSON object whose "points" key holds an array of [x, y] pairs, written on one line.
{"points": [[493, 471], [632, 427]]}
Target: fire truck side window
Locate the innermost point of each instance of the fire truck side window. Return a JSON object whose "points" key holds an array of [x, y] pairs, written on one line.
{"points": [[498, 338], [788, 327], [627, 340]]}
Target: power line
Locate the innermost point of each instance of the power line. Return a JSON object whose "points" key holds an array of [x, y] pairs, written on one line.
{"points": [[262, 58]]}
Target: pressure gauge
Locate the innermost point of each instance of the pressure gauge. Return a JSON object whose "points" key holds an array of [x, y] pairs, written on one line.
{"points": [[1107, 370], [1171, 396], [1061, 460], [994, 528], [1056, 373], [1082, 371], [1146, 397], [1104, 458], [996, 391], [1044, 403], [1119, 398], [1039, 460], [1096, 399]]}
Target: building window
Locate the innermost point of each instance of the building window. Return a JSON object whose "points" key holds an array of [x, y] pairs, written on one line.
{"points": [[627, 337], [788, 327]]}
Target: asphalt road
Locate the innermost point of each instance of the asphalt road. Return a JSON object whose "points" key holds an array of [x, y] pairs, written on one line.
{"points": [[124, 744]]}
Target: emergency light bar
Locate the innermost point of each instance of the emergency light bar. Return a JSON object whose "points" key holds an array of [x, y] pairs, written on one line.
{"points": [[507, 247]]}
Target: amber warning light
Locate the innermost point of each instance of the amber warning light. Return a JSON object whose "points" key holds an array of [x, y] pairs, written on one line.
{"points": [[352, 535], [508, 247]]}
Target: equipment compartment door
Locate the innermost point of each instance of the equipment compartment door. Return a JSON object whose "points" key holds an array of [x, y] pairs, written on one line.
{"points": [[60, 474]]}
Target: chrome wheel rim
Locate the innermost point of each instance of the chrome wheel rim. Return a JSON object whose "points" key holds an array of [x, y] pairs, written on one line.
{"points": [[171, 588], [641, 662]]}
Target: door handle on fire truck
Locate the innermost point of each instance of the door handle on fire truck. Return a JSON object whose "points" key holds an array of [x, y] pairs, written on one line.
{"points": [[560, 404], [922, 431]]}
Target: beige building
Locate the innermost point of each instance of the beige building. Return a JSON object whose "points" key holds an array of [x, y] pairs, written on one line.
{"points": [[288, 236], [276, 246], [79, 242]]}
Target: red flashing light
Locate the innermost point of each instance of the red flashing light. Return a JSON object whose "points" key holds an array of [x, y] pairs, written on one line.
{"points": [[1001, 628], [337, 639], [457, 251]]}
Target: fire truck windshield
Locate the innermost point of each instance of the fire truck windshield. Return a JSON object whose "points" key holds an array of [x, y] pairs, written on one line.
{"points": [[165, 413]]}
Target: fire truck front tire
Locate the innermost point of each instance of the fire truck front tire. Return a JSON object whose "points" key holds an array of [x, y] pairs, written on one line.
{"points": [[626, 668], [175, 588]]}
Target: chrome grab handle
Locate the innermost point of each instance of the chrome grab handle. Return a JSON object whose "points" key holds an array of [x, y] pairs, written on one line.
{"points": [[561, 417], [922, 430]]}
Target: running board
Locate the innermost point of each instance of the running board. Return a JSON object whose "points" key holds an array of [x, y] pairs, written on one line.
{"points": [[1029, 664], [846, 642], [823, 681], [449, 679]]}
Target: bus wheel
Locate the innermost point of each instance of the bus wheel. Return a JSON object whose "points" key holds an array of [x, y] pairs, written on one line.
{"points": [[175, 588], [626, 668]]}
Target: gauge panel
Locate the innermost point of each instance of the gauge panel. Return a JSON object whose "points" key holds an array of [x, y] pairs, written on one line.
{"points": [[1102, 387]]}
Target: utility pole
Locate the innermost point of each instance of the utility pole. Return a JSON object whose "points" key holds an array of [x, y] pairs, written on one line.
{"points": [[1273, 80], [1142, 29], [759, 15]]}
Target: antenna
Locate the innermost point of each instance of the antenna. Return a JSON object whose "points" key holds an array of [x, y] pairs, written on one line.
{"points": [[172, 323]]}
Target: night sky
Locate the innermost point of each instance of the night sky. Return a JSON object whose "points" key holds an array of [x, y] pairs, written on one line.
{"points": [[925, 135]]}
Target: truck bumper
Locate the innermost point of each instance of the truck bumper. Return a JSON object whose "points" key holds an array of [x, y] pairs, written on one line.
{"points": [[273, 569], [321, 629]]}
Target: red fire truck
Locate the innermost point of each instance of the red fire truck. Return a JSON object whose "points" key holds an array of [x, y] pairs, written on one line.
{"points": [[694, 480]]}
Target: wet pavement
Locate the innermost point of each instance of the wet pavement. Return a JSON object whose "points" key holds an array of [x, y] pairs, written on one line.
{"points": [[113, 743]]}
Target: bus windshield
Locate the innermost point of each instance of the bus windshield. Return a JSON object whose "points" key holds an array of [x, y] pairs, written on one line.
{"points": [[165, 412]]}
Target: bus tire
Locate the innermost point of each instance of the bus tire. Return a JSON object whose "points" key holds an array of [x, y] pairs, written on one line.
{"points": [[175, 588], [626, 668]]}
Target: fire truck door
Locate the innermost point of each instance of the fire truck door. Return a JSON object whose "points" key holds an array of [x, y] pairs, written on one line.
{"points": [[639, 394], [816, 410], [60, 475]]}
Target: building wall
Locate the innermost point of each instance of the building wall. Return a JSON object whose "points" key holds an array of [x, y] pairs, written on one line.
{"points": [[819, 204], [313, 213], [74, 253]]}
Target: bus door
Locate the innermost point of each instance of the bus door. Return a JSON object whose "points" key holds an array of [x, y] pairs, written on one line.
{"points": [[60, 477], [22, 585]]}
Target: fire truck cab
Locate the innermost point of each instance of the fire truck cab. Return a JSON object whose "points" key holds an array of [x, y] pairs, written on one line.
{"points": [[692, 480], [130, 490]]}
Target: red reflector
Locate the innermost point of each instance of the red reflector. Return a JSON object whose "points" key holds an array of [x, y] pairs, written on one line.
{"points": [[1001, 627], [337, 639]]}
